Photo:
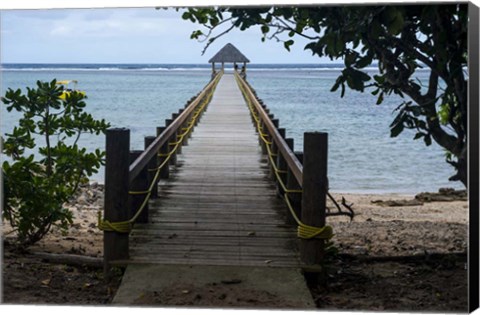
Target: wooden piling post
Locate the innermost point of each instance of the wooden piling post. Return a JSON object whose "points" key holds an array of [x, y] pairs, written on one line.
{"points": [[314, 199], [178, 133], [264, 131], [282, 166], [164, 149], [183, 127], [152, 166], [115, 245], [173, 139], [139, 183], [200, 114], [292, 184], [275, 121], [253, 119], [274, 150]]}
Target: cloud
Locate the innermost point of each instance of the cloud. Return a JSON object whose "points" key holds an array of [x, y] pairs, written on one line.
{"points": [[112, 23], [122, 35], [53, 14], [60, 30]]}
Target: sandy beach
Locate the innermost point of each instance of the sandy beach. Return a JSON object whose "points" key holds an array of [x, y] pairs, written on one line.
{"points": [[376, 230], [405, 235]]}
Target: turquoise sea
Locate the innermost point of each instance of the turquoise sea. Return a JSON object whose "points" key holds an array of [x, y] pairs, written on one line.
{"points": [[362, 156]]}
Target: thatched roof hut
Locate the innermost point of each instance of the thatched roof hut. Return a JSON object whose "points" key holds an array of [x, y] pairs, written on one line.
{"points": [[230, 54]]}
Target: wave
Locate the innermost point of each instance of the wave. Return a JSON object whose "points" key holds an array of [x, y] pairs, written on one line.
{"points": [[45, 69], [185, 69], [103, 69], [302, 69], [167, 69]]}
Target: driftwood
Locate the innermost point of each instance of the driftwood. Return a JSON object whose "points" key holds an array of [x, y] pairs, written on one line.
{"points": [[424, 257], [444, 194], [339, 211], [398, 203], [69, 259]]}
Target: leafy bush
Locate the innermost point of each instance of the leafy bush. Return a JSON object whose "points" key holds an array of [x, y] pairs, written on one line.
{"points": [[46, 165]]}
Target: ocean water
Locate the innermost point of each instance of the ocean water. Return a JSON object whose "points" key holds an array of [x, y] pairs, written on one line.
{"points": [[362, 156]]}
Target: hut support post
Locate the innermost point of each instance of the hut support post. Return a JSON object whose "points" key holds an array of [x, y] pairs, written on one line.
{"points": [[314, 198]]}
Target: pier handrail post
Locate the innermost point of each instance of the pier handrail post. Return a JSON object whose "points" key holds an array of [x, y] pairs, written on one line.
{"points": [[177, 134], [185, 124], [139, 184], [274, 150], [164, 149], [263, 130], [151, 166], [115, 245], [293, 184], [281, 165], [314, 199], [173, 139]]}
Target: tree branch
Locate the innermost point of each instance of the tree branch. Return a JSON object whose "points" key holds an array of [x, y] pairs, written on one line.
{"points": [[211, 40], [288, 27]]}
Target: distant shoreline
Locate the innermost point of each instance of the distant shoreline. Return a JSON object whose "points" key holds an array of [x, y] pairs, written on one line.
{"points": [[170, 67]]}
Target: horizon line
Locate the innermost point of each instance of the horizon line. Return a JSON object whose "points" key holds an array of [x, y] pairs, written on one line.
{"points": [[165, 63]]}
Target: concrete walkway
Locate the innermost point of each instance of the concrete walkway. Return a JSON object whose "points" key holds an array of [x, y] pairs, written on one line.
{"points": [[214, 286]]}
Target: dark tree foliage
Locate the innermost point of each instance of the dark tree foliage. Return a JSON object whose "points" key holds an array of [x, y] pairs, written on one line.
{"points": [[399, 39]]}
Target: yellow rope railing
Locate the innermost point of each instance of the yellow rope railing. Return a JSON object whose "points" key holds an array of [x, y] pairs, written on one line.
{"points": [[126, 226], [304, 231]]}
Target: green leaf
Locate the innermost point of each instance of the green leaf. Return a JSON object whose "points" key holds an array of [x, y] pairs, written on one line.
{"points": [[355, 79], [350, 58], [380, 79], [380, 99], [364, 61], [337, 84], [287, 44], [418, 135], [396, 130], [186, 15], [396, 26], [428, 140]]}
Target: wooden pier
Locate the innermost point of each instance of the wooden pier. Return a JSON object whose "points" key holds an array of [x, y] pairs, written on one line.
{"points": [[204, 192], [219, 207]]}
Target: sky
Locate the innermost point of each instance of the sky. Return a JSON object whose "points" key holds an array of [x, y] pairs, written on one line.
{"points": [[130, 35], [126, 35]]}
